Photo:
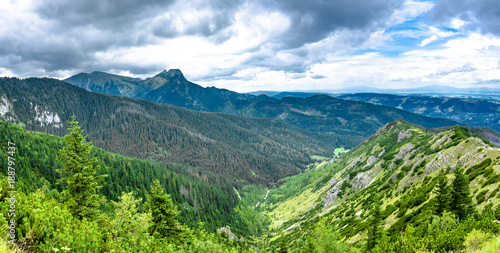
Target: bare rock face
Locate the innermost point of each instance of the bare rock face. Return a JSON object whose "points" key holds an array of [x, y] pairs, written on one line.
{"points": [[332, 182], [381, 153], [404, 135], [391, 166], [330, 197], [353, 162], [227, 230], [361, 181], [404, 151], [371, 160], [333, 193]]}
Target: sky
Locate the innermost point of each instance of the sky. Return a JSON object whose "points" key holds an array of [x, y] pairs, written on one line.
{"points": [[258, 45]]}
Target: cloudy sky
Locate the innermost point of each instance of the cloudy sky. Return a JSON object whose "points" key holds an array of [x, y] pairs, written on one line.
{"points": [[258, 45]]}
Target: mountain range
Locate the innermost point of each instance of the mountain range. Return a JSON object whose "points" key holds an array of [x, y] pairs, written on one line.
{"points": [[267, 167], [344, 122], [477, 112], [430, 90]]}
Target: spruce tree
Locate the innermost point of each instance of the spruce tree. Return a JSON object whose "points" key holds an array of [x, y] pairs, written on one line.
{"points": [[374, 229], [164, 213], [443, 195], [79, 172], [461, 205]]}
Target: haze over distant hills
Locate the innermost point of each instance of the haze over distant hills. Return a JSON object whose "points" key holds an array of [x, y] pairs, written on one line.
{"points": [[429, 90]]}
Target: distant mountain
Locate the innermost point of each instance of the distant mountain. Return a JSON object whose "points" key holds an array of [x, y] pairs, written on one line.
{"points": [[106, 83], [468, 111], [167, 87], [429, 90], [296, 94], [344, 123]]}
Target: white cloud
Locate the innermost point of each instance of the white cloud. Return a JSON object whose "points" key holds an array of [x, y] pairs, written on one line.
{"points": [[457, 23], [410, 10], [436, 35], [426, 41], [460, 62]]}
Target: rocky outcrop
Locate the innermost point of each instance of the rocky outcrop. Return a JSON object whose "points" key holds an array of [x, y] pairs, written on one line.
{"points": [[333, 193], [332, 182], [404, 151], [381, 153], [371, 160], [404, 135], [230, 235], [443, 140], [361, 181], [353, 162]]}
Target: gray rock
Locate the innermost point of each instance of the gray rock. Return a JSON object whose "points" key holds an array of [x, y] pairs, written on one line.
{"points": [[404, 151], [404, 135], [361, 181], [227, 230], [371, 160]]}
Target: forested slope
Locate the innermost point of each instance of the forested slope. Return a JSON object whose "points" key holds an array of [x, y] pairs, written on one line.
{"points": [[256, 150], [343, 122]]}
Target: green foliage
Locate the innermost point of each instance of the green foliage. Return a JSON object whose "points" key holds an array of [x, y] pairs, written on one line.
{"points": [[476, 239], [164, 215], [443, 194], [44, 223], [129, 228], [79, 171], [461, 205], [374, 229], [200, 196]]}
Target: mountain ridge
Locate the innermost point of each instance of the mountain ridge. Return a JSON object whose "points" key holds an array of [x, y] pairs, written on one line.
{"points": [[398, 166], [326, 116]]}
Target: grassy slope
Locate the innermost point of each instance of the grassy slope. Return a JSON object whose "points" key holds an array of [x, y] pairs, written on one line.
{"points": [[300, 199]]}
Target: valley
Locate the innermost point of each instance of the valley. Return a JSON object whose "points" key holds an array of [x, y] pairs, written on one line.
{"points": [[270, 126], [260, 173]]}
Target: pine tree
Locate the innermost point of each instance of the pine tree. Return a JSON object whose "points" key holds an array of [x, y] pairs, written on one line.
{"points": [[374, 229], [443, 196], [78, 171], [461, 205], [165, 224]]}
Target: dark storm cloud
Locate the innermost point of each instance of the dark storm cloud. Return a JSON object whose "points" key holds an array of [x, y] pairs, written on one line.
{"points": [[317, 19], [482, 14], [114, 15], [221, 16], [74, 32]]}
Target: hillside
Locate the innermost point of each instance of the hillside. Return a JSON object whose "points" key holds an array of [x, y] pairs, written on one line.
{"points": [[255, 150], [197, 194], [42, 219], [343, 122], [397, 167]]}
